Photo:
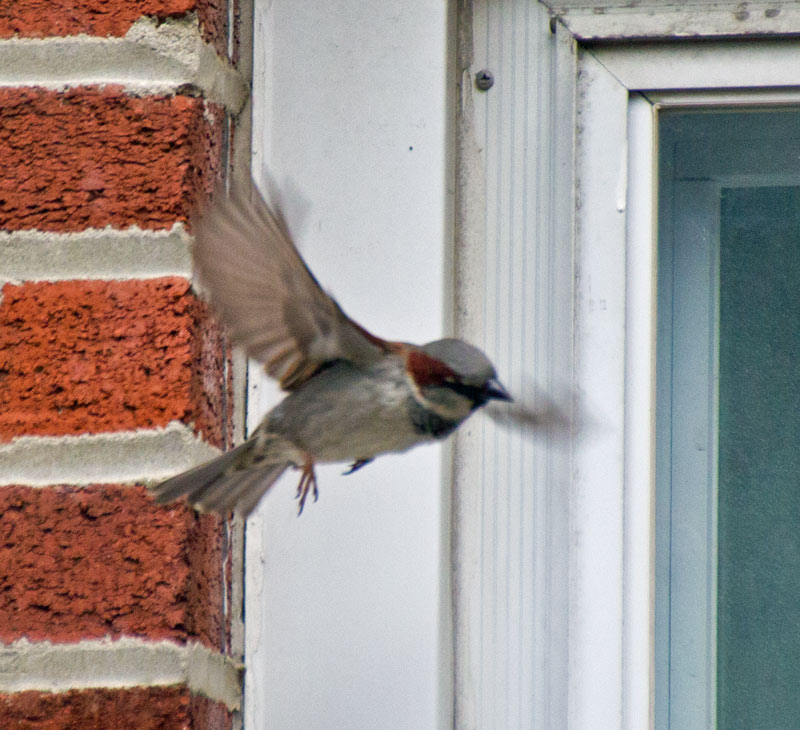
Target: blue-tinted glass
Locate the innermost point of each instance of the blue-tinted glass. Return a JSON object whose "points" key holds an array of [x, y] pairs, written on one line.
{"points": [[758, 602], [728, 424]]}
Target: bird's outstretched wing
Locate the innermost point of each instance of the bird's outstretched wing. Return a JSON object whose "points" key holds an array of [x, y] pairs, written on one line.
{"points": [[266, 296], [546, 418]]}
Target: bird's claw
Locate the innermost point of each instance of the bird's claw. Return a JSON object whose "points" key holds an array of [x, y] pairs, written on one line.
{"points": [[356, 465], [308, 483]]}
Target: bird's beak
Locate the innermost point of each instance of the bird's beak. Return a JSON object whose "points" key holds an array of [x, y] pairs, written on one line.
{"points": [[495, 391]]}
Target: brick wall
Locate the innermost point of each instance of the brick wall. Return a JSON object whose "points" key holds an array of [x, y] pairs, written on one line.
{"points": [[117, 117]]}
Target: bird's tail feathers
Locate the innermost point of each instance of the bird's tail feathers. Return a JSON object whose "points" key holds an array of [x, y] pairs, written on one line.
{"points": [[233, 481]]}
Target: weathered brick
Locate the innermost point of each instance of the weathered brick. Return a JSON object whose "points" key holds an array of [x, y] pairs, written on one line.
{"points": [[145, 708], [88, 158], [213, 16], [81, 563], [93, 356], [42, 18]]}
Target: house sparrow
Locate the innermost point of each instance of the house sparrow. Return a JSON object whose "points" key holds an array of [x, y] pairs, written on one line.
{"points": [[352, 396]]}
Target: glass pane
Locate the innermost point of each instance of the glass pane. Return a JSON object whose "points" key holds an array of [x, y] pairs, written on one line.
{"points": [[728, 421], [758, 604]]}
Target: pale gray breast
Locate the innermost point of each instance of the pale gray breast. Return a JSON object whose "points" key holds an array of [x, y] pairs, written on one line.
{"points": [[347, 413]]}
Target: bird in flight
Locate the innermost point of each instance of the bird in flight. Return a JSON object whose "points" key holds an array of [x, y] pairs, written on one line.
{"points": [[352, 396]]}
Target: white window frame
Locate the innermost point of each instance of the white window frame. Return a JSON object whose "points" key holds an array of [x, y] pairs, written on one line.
{"points": [[591, 607], [619, 90]]}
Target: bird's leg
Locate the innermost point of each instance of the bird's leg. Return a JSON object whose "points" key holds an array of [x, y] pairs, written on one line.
{"points": [[308, 483], [356, 465]]}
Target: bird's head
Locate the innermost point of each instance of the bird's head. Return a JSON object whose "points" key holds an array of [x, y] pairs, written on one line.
{"points": [[453, 378]]}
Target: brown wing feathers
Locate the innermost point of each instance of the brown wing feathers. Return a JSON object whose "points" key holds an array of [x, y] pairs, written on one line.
{"points": [[270, 302]]}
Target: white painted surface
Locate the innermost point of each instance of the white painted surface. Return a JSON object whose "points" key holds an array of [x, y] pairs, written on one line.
{"points": [[514, 293], [345, 604], [598, 20], [596, 561], [770, 63], [638, 561]]}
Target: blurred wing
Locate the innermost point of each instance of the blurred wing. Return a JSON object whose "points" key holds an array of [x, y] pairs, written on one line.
{"points": [[547, 417], [266, 296]]}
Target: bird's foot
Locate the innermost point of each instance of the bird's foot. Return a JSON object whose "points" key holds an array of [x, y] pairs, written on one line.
{"points": [[308, 483], [356, 465]]}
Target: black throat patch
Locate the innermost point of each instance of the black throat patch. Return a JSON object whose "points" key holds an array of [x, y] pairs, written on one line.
{"points": [[427, 422]]}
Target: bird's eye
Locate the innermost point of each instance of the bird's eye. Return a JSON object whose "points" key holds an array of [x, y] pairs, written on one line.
{"points": [[474, 393]]}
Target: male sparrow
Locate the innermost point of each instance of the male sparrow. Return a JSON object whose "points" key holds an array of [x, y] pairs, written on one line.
{"points": [[352, 396]]}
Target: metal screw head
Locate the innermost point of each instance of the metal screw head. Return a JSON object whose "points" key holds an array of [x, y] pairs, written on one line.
{"points": [[484, 80]]}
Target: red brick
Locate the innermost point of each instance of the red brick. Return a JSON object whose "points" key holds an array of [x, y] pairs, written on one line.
{"points": [[93, 356], [42, 18], [82, 563], [90, 157], [213, 16], [141, 708], [209, 715]]}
